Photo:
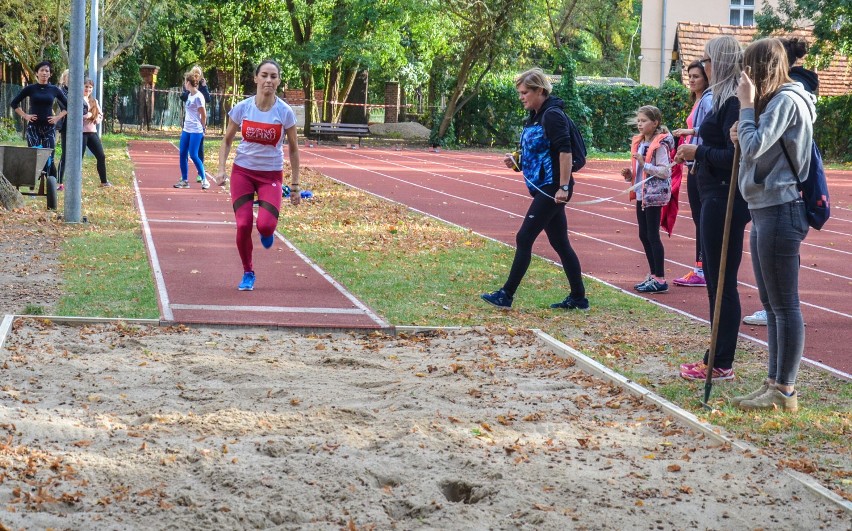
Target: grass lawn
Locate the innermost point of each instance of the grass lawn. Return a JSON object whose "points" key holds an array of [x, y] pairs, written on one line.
{"points": [[414, 270]]}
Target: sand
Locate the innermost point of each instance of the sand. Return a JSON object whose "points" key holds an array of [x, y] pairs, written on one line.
{"points": [[112, 426]]}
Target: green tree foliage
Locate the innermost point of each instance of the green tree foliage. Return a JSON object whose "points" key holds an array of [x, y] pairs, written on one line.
{"points": [[831, 21]]}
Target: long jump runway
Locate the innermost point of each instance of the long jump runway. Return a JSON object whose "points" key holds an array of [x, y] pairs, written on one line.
{"points": [[476, 191], [190, 236]]}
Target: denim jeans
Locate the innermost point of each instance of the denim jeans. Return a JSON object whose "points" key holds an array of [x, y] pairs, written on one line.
{"points": [[776, 235]]}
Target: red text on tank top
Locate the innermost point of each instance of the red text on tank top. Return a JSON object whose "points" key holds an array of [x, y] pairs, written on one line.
{"points": [[261, 133]]}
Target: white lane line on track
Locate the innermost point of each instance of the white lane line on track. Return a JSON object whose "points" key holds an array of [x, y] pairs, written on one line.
{"points": [[586, 175], [169, 316], [267, 309], [832, 370], [152, 252], [632, 224], [191, 222], [513, 214]]}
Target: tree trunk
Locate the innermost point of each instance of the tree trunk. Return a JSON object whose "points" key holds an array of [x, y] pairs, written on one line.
{"points": [[10, 197]]}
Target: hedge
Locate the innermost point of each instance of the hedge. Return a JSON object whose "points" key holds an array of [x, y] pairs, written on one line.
{"points": [[493, 117]]}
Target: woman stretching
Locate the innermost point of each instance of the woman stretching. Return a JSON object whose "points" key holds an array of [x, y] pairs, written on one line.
{"points": [[263, 121]]}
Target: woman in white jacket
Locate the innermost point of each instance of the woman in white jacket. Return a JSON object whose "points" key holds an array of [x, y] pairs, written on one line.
{"points": [[776, 114]]}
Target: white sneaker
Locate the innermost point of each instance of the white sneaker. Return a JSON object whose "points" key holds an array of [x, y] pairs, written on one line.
{"points": [[758, 318], [205, 184]]}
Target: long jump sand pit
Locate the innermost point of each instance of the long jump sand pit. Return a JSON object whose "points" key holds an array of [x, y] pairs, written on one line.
{"points": [[111, 426]]}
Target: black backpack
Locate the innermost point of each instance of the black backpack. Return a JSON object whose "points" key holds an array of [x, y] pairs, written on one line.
{"points": [[578, 145]]}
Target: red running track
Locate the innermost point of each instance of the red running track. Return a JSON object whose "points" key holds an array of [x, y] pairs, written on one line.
{"points": [[190, 236], [475, 190]]}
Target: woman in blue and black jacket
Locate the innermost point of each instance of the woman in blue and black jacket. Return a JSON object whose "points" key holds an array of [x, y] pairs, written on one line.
{"points": [[546, 165]]}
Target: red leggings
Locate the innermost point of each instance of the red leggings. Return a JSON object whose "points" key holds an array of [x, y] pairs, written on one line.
{"points": [[244, 184]]}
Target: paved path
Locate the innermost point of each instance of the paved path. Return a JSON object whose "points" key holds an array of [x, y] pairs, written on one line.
{"points": [[190, 236], [475, 190]]}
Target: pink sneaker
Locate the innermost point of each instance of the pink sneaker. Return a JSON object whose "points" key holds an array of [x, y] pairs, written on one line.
{"points": [[60, 187], [700, 373], [691, 279], [692, 366]]}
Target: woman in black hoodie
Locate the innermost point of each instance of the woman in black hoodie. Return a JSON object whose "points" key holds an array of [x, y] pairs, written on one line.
{"points": [[545, 162], [715, 161]]}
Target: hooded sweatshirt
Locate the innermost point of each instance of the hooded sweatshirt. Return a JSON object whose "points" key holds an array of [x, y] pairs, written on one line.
{"points": [[808, 78], [766, 178], [542, 140]]}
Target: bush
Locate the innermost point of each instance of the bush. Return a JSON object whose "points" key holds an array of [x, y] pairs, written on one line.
{"points": [[833, 127], [494, 116]]}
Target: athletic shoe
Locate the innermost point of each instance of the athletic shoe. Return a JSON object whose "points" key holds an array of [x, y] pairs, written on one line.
{"points": [[772, 399], [106, 185], [267, 241], [653, 286], [248, 281], [572, 303], [636, 286], [205, 184], [699, 372], [182, 184], [758, 318], [60, 188], [498, 298], [691, 279], [751, 396], [199, 179]]}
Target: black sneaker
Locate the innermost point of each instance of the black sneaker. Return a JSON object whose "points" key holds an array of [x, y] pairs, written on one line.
{"points": [[572, 303], [498, 298], [647, 279], [653, 286]]}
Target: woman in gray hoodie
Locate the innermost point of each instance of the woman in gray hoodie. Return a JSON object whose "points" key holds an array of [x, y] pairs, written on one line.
{"points": [[775, 112]]}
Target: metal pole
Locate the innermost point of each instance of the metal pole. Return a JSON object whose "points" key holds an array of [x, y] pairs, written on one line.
{"points": [[663, 46], [74, 127], [99, 82], [93, 41]]}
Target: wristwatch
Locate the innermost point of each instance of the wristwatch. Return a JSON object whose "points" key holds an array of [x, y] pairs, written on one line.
{"points": [[565, 188]]}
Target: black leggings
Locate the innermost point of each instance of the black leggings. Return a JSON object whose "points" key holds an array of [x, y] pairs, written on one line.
{"points": [[695, 208], [545, 215], [712, 230], [93, 142], [649, 235]]}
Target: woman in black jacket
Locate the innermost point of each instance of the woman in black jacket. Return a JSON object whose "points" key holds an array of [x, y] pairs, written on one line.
{"points": [[41, 123], [715, 160]]}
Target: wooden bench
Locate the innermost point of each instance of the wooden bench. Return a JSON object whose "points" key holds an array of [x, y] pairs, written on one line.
{"points": [[319, 129]]}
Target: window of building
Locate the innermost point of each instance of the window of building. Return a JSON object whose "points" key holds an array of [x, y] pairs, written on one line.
{"points": [[742, 12]]}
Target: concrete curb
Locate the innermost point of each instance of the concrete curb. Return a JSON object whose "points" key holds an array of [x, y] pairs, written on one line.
{"points": [[591, 366]]}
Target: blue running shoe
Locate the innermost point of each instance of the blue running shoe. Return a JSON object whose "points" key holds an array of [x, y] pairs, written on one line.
{"points": [[248, 281], [267, 240], [499, 298]]}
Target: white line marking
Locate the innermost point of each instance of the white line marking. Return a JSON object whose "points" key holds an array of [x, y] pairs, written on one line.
{"points": [[152, 252], [343, 291], [513, 214], [832, 370], [5, 328], [266, 309], [191, 222]]}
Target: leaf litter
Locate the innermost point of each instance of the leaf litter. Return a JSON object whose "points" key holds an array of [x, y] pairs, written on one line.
{"points": [[482, 428]]}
